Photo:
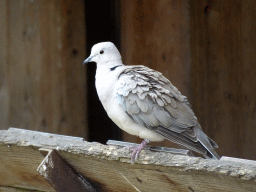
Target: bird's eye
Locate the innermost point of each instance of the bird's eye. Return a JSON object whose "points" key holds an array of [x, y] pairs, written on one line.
{"points": [[101, 52]]}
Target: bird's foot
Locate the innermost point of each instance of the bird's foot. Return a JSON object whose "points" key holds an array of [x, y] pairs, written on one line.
{"points": [[136, 150]]}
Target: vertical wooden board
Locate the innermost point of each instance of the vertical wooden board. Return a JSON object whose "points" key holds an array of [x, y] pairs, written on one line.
{"points": [[202, 68], [156, 34], [19, 112], [63, 75], [4, 72], [50, 68], [224, 93], [199, 55], [47, 78], [25, 64], [32, 64], [249, 80], [223, 73], [73, 55]]}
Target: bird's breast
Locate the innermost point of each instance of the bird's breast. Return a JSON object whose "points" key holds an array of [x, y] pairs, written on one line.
{"points": [[105, 83]]}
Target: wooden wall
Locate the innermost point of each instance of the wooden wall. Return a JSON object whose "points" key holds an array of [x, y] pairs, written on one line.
{"points": [[156, 34], [207, 49], [223, 50], [42, 79]]}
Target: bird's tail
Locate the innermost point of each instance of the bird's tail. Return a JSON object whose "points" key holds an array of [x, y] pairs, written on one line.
{"points": [[197, 141], [207, 142]]}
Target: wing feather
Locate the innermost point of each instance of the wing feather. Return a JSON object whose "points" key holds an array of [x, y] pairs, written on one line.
{"points": [[152, 101]]}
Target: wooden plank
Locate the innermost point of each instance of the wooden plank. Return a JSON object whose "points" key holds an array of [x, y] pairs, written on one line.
{"points": [[16, 189], [152, 148], [46, 83], [4, 66], [224, 95], [18, 168], [199, 56], [72, 57], [57, 172], [248, 33], [207, 49], [24, 48], [108, 168], [223, 73], [156, 34]]}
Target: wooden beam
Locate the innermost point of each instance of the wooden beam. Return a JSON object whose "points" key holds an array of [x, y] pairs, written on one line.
{"points": [[108, 168], [61, 175], [18, 168]]}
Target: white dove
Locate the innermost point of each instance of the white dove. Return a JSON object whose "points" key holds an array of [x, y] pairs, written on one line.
{"points": [[142, 102]]}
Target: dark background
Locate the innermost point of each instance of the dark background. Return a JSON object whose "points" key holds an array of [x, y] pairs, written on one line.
{"points": [[100, 28]]}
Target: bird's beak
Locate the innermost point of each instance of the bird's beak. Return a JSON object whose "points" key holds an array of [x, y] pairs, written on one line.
{"points": [[88, 60]]}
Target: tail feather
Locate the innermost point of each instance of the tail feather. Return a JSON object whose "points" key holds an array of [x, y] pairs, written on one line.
{"points": [[213, 143], [208, 144], [203, 144], [181, 140]]}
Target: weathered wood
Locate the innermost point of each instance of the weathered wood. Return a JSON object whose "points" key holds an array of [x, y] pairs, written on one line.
{"points": [[108, 168], [57, 172], [18, 168], [244, 161], [248, 32], [207, 49], [223, 35], [4, 67], [152, 148], [156, 34], [42, 83], [16, 189]]}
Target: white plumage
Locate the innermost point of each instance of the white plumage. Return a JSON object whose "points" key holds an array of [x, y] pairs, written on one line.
{"points": [[144, 103]]}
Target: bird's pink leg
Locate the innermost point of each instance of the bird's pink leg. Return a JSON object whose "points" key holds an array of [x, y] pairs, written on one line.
{"points": [[136, 150]]}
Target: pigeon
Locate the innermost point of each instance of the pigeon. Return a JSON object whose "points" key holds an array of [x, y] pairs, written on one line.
{"points": [[142, 102]]}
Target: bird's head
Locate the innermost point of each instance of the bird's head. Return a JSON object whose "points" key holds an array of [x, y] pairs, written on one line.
{"points": [[103, 53]]}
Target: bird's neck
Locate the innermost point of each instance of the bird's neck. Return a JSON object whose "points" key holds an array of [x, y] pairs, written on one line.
{"points": [[110, 65], [106, 77]]}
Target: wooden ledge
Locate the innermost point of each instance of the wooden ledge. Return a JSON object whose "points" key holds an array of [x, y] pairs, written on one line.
{"points": [[108, 168]]}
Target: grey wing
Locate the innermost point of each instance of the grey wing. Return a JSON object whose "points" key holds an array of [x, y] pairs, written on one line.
{"points": [[152, 101]]}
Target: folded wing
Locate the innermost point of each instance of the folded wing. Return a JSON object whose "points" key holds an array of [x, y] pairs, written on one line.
{"points": [[152, 101]]}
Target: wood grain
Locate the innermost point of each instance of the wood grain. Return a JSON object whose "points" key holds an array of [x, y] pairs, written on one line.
{"points": [[207, 50], [108, 168], [42, 85], [223, 73], [4, 67], [56, 171], [156, 34], [18, 168]]}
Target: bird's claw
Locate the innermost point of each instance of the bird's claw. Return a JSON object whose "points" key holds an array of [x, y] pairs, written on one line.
{"points": [[137, 150]]}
